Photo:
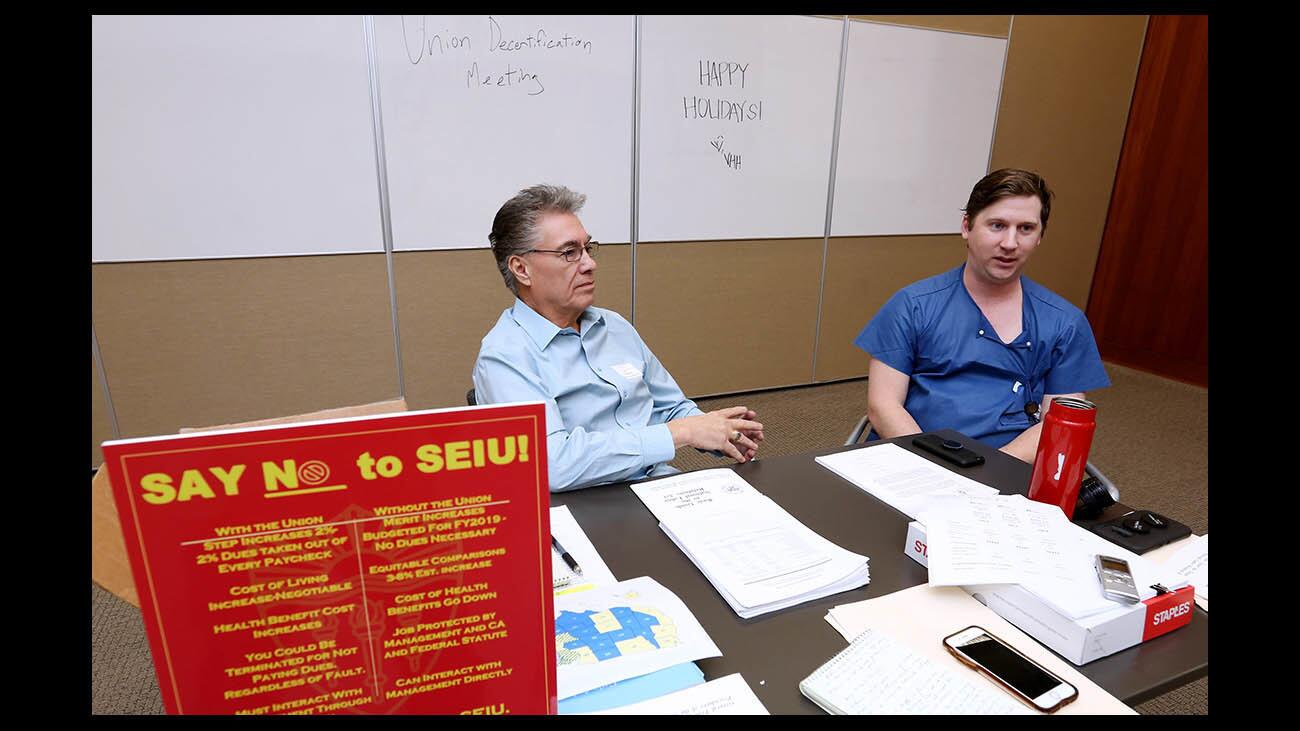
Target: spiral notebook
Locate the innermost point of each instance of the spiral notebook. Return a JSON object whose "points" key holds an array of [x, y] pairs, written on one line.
{"points": [[877, 674]]}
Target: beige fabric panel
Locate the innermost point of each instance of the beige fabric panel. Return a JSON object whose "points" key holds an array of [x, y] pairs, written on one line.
{"points": [[861, 274], [1065, 100], [997, 26], [729, 316], [448, 300], [379, 408], [216, 341], [101, 424]]}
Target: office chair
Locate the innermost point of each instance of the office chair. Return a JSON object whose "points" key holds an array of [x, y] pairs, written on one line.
{"points": [[864, 427]]}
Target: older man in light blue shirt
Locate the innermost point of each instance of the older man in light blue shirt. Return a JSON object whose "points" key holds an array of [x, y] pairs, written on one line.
{"points": [[613, 412]]}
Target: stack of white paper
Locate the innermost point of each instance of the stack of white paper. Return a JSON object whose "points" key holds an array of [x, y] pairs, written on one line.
{"points": [[1008, 539], [902, 479], [758, 557], [611, 633]]}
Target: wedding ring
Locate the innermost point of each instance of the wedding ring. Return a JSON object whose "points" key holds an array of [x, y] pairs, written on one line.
{"points": [[735, 436]]}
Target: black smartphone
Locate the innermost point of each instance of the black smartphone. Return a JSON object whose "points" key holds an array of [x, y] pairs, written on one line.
{"points": [[1025, 679], [948, 449]]}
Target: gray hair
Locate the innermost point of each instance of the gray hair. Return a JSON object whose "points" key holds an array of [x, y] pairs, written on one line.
{"points": [[515, 230]]}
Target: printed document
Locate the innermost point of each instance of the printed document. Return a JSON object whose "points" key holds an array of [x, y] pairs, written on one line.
{"points": [[726, 696], [1010, 539], [611, 633], [755, 553], [1000, 539], [900, 478], [1192, 562]]}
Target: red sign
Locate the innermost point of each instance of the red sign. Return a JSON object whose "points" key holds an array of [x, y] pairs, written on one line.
{"points": [[394, 564]]}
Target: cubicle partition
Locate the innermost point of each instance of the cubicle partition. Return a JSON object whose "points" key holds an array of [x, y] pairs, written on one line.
{"points": [[290, 213]]}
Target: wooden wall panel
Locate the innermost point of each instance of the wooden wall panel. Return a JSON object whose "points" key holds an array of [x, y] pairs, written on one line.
{"points": [[1150, 302], [448, 300], [730, 316], [101, 424], [1065, 102], [984, 25], [193, 343], [861, 274]]}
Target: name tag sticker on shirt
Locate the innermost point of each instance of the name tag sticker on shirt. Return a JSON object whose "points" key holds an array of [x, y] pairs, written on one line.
{"points": [[628, 371]]}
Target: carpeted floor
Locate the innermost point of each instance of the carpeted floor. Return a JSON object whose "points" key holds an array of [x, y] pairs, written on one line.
{"points": [[1152, 442]]}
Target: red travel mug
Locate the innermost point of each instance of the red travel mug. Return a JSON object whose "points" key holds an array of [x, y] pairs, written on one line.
{"points": [[1063, 453]]}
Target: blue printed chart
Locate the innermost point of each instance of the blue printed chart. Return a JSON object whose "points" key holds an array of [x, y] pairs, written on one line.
{"points": [[595, 636], [608, 634]]}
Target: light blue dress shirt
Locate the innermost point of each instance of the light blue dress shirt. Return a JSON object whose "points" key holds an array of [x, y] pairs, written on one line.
{"points": [[608, 398]]}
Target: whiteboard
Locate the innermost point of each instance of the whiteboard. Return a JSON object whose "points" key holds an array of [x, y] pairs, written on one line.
{"points": [[476, 108], [737, 121], [916, 130], [230, 136]]}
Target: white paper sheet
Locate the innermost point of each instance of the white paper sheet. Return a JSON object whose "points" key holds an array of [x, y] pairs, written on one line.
{"points": [[1192, 562], [570, 535], [878, 675], [726, 696], [700, 496], [1000, 539], [985, 541], [611, 633], [900, 478]]}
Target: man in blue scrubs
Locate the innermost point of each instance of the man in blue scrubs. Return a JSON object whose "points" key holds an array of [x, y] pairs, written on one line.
{"points": [[613, 413], [970, 348]]}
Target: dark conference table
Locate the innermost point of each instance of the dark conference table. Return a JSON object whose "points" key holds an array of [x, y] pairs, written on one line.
{"points": [[777, 650]]}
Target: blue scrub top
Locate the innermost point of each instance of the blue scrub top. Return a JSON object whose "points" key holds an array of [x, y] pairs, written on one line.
{"points": [[963, 376]]}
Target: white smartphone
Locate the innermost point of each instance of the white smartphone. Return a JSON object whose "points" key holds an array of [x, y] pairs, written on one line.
{"points": [[1025, 679]]}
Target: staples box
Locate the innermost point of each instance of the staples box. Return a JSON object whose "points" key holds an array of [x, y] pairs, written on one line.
{"points": [[1078, 640]]}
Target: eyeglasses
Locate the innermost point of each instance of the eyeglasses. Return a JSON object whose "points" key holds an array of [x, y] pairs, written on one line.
{"points": [[570, 254]]}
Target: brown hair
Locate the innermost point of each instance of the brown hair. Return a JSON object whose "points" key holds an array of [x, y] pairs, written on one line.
{"points": [[1008, 183]]}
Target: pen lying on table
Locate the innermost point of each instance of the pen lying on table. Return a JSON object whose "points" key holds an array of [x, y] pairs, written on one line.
{"points": [[568, 559]]}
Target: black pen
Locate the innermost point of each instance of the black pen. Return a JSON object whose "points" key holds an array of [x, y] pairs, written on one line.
{"points": [[565, 555]]}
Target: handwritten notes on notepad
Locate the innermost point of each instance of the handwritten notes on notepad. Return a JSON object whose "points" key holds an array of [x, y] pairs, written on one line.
{"points": [[877, 675]]}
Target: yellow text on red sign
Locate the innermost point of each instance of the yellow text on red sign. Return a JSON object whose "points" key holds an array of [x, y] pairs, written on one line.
{"points": [[210, 483]]}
